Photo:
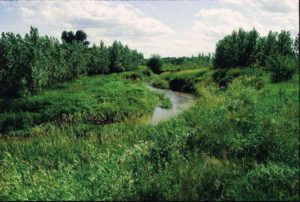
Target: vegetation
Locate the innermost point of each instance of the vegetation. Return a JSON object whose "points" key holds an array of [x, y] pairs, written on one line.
{"points": [[89, 138], [282, 68], [185, 63], [79, 36], [155, 64], [242, 49], [165, 102], [95, 100], [32, 63]]}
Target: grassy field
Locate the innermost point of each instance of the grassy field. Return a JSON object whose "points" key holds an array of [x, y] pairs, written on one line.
{"points": [[240, 142]]}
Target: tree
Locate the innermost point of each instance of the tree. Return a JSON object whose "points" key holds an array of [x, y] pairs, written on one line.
{"points": [[267, 46], [155, 64], [282, 67], [115, 56], [250, 48], [104, 58], [296, 45], [245, 48], [98, 59], [285, 43], [80, 36], [68, 37]]}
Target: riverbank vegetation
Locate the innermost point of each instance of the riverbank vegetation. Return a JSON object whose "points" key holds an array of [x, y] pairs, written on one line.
{"points": [[87, 139]]}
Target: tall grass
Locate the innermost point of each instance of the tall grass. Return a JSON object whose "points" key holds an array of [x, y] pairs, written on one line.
{"points": [[238, 144], [96, 99]]}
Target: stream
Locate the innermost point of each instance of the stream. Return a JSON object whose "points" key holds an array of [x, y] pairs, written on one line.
{"points": [[180, 102]]}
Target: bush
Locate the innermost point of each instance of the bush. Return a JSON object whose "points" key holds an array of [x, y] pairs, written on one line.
{"points": [[281, 67], [160, 83], [155, 64], [183, 85], [146, 72], [224, 77], [267, 182], [134, 76], [165, 102]]}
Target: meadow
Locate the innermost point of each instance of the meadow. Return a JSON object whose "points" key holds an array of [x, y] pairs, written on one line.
{"points": [[89, 139]]}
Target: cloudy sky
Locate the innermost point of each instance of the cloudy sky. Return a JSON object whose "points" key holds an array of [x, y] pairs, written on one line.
{"points": [[168, 28]]}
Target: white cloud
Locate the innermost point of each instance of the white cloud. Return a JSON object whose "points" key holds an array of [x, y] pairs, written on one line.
{"points": [[212, 24], [110, 21], [120, 19], [104, 19], [282, 6]]}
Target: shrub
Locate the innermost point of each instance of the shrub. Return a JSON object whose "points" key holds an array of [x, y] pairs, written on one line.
{"points": [[267, 182], [134, 76], [155, 64], [218, 76], [224, 77], [146, 72], [161, 83], [281, 67], [183, 85], [165, 102]]}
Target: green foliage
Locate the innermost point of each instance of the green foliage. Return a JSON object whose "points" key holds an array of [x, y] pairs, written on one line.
{"points": [[165, 102], [284, 43], [224, 77], [32, 63], [185, 81], [79, 36], [238, 144], [155, 64], [96, 100], [237, 49], [160, 83], [184, 63], [98, 59], [183, 84], [270, 178], [281, 67], [242, 49], [248, 124], [122, 58], [87, 139], [134, 76], [296, 46]]}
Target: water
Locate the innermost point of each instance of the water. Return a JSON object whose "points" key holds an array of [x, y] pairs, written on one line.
{"points": [[180, 102]]}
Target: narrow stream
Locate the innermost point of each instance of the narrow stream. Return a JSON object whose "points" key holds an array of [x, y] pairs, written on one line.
{"points": [[180, 102]]}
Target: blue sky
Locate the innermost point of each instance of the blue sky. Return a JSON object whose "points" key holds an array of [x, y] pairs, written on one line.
{"points": [[168, 28]]}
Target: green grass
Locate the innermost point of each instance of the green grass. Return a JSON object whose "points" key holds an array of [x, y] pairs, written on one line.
{"points": [[165, 102], [97, 100], [241, 143]]}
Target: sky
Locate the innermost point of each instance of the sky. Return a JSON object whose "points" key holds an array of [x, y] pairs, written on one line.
{"points": [[168, 28]]}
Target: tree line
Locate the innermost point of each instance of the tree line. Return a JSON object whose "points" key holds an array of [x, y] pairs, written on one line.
{"points": [[29, 64], [242, 48], [277, 53]]}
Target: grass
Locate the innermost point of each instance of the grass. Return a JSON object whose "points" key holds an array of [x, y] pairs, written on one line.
{"points": [[239, 143], [165, 102], [96, 100]]}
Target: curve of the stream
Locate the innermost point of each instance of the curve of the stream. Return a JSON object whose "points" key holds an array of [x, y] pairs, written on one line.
{"points": [[180, 102]]}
